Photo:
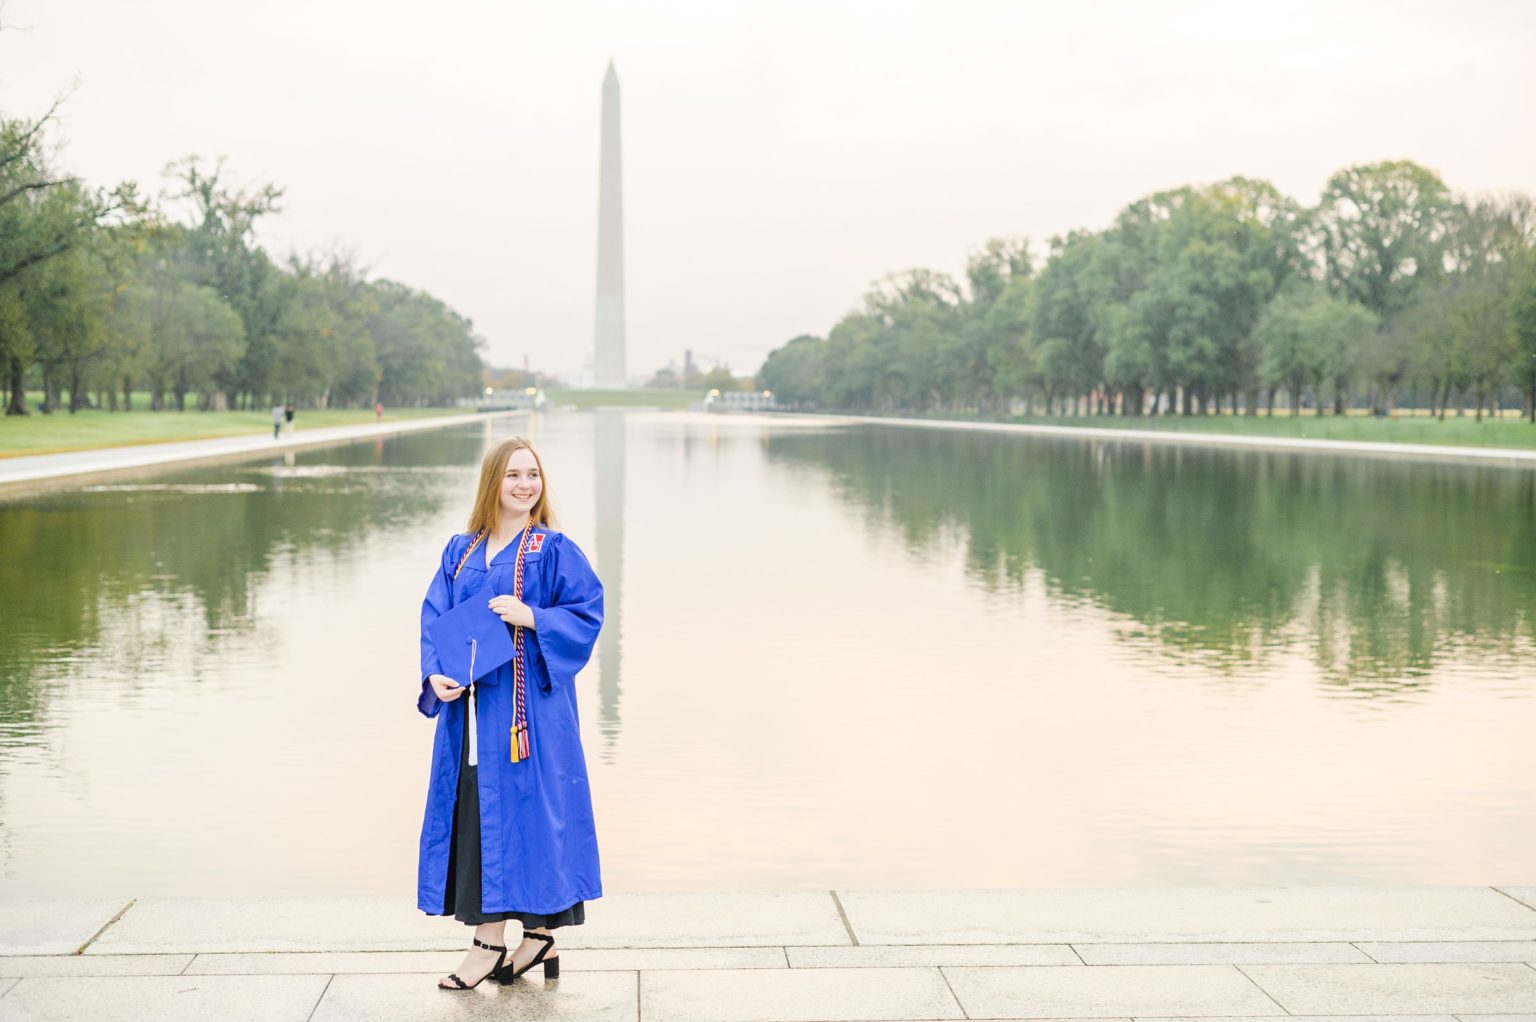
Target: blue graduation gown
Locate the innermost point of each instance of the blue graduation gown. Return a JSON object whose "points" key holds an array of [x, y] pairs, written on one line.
{"points": [[538, 843]]}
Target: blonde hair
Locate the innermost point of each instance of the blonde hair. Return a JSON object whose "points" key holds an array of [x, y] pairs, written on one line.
{"points": [[485, 516]]}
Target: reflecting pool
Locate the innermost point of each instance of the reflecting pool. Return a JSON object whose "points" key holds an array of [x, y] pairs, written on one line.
{"points": [[836, 655]]}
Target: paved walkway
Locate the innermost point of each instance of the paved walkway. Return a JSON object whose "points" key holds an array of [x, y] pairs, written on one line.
{"points": [[38, 468], [1432, 954]]}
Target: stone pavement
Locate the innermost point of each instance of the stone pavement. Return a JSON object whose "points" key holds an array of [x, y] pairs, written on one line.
{"points": [[36, 470], [1432, 954]]}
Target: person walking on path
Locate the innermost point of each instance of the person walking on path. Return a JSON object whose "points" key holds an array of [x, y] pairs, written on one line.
{"points": [[277, 420], [288, 412], [511, 615]]}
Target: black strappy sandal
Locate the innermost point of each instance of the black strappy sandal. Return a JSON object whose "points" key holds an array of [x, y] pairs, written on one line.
{"points": [[500, 961], [551, 964]]}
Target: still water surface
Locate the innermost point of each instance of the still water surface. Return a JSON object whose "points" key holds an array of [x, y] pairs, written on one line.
{"points": [[835, 656]]}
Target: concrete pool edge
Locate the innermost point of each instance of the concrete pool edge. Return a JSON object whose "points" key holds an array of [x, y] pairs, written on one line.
{"points": [[1505, 456], [25, 474], [29, 473]]}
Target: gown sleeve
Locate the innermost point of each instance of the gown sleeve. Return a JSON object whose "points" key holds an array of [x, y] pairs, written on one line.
{"points": [[438, 599], [567, 629]]}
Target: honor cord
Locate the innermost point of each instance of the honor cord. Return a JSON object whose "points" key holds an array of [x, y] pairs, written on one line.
{"points": [[519, 742]]}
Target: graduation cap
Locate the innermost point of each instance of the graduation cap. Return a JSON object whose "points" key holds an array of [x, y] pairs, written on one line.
{"points": [[470, 630]]}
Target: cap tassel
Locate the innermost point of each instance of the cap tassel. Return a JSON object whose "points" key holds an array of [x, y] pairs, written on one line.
{"points": [[474, 725]]}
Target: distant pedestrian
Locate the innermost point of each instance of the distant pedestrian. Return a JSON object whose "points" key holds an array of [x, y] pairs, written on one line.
{"points": [[288, 415], [277, 420], [378, 411]]}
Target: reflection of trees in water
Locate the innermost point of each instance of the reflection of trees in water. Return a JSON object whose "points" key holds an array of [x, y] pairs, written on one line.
{"points": [[100, 582], [1378, 568]]}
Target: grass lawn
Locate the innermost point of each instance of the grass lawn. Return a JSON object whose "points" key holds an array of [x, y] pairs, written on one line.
{"points": [[670, 399], [1404, 428], [61, 431]]}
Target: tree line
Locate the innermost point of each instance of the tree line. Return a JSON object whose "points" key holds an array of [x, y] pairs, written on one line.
{"points": [[104, 293], [1390, 291]]}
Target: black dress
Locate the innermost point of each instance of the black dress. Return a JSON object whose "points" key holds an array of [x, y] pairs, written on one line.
{"points": [[462, 891]]}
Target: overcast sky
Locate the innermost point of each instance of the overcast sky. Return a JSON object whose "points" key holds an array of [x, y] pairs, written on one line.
{"points": [[778, 156]]}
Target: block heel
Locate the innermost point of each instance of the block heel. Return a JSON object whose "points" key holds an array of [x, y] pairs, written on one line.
{"points": [[551, 962]]}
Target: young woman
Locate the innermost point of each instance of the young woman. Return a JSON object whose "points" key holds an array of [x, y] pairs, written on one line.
{"points": [[510, 617]]}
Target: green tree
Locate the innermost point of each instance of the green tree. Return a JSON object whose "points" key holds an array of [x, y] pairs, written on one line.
{"points": [[989, 358], [1523, 331], [1067, 339], [795, 372], [1211, 259], [43, 214], [193, 337], [68, 299], [1293, 355], [426, 352], [1308, 338], [222, 254], [1459, 329], [1481, 335], [1382, 228], [322, 349]]}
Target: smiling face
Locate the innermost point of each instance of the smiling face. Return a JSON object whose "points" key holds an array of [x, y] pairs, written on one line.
{"points": [[521, 484], [512, 484]]}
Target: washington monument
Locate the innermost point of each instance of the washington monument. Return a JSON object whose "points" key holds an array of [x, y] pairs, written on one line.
{"points": [[608, 361]]}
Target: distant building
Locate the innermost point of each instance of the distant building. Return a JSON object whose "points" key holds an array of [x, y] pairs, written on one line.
{"points": [[737, 401]]}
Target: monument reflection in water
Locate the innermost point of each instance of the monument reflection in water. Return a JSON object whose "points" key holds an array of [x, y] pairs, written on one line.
{"points": [[609, 441], [851, 656]]}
